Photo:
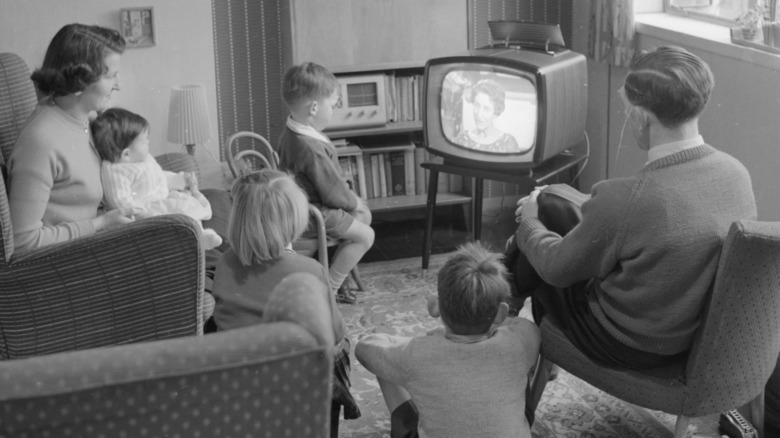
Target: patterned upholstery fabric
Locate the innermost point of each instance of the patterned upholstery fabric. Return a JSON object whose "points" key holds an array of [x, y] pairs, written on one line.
{"points": [[268, 380], [736, 348], [137, 282], [178, 162], [17, 100]]}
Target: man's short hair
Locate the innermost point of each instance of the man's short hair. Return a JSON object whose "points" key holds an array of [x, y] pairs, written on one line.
{"points": [[670, 82]]}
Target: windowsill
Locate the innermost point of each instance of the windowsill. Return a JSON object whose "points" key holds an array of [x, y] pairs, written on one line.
{"points": [[702, 36]]}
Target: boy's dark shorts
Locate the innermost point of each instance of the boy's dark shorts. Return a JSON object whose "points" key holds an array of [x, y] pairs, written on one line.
{"points": [[404, 420], [337, 221]]}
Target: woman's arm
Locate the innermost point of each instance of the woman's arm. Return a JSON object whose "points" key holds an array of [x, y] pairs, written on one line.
{"points": [[32, 170]]}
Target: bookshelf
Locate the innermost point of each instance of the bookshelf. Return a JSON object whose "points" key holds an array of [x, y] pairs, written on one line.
{"points": [[390, 38]]}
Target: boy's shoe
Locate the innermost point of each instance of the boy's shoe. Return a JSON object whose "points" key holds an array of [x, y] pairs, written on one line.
{"points": [[345, 296]]}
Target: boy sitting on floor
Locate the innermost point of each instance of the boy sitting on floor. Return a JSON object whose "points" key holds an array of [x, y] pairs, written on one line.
{"points": [[467, 379]]}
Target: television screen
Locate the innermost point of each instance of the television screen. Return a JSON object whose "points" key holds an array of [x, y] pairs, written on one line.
{"points": [[504, 108], [489, 111]]}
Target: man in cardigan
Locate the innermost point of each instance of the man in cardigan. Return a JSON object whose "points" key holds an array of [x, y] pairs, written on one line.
{"points": [[628, 277]]}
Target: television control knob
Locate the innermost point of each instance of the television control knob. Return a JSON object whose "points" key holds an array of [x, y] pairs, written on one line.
{"points": [[361, 113]]}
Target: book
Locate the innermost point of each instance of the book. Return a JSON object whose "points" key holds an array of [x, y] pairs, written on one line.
{"points": [[346, 172], [361, 176], [455, 183], [409, 172], [369, 176], [390, 98], [382, 176], [420, 177], [376, 176], [395, 162], [415, 97], [355, 169], [443, 183]]}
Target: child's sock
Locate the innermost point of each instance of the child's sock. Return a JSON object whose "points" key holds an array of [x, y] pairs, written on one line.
{"points": [[336, 278]]}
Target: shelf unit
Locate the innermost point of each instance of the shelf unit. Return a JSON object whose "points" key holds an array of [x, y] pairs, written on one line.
{"points": [[403, 132], [357, 37]]}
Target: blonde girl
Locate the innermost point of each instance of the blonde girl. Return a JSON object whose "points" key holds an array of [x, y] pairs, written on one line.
{"points": [[269, 212]]}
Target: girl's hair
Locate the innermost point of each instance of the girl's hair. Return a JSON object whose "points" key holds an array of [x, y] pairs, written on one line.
{"points": [[671, 82], [75, 58], [492, 90], [114, 129], [269, 212], [472, 284], [307, 82]]}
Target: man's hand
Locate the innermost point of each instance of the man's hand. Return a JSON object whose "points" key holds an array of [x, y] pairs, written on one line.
{"points": [[528, 206]]}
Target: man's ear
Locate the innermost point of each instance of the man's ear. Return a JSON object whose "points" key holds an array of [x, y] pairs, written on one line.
{"points": [[314, 106], [643, 115]]}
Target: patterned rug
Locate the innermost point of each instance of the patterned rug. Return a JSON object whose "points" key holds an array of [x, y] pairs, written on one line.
{"points": [[394, 303]]}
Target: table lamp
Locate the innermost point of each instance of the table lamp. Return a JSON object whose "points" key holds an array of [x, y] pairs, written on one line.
{"points": [[188, 116]]}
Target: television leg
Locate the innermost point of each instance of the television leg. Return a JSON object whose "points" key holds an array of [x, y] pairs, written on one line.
{"points": [[477, 213], [430, 207]]}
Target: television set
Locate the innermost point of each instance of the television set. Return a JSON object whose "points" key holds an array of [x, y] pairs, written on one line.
{"points": [[504, 106]]}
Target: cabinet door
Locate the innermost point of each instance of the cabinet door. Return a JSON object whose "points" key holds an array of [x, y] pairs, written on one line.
{"points": [[374, 34]]}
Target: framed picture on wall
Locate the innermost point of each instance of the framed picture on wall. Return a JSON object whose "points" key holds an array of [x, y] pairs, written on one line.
{"points": [[137, 26]]}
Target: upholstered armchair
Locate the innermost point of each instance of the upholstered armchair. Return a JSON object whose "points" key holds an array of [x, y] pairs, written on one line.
{"points": [[138, 282], [734, 352], [269, 380]]}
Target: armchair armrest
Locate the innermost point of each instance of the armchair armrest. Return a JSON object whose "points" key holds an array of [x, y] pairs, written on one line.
{"points": [[178, 162], [138, 282], [268, 379]]}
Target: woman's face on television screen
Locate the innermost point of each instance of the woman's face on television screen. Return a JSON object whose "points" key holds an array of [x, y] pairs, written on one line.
{"points": [[484, 111]]}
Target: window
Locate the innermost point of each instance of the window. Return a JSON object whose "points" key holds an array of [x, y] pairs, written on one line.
{"points": [[718, 11]]}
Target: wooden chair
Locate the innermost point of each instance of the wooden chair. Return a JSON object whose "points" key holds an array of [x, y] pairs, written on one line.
{"points": [[249, 160], [734, 352]]}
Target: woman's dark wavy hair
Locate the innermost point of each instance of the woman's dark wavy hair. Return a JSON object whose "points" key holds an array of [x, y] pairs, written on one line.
{"points": [[75, 58], [492, 90], [671, 82], [114, 129]]}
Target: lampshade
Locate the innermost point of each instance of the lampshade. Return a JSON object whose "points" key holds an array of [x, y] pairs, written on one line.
{"points": [[188, 116]]}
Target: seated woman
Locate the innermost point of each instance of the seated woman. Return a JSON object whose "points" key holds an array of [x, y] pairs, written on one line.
{"points": [[53, 172], [627, 276]]}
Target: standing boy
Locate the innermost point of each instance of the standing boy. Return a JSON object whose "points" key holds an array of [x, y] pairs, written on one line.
{"points": [[310, 92], [469, 378]]}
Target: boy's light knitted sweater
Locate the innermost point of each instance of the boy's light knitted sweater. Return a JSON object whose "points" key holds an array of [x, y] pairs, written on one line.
{"points": [[461, 389], [651, 243]]}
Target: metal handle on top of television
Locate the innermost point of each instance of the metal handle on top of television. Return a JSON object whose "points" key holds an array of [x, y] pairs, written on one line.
{"points": [[528, 34]]}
